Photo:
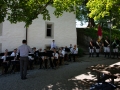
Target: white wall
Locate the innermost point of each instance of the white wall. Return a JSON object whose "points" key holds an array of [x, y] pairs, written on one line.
{"points": [[12, 35], [64, 32]]}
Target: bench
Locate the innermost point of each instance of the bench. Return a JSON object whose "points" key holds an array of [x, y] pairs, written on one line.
{"points": [[105, 72]]}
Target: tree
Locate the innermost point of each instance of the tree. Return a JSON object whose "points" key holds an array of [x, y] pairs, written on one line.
{"points": [[100, 9], [28, 10], [83, 14]]}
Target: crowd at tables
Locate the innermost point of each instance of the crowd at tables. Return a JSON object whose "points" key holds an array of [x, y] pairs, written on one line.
{"points": [[42, 58]]}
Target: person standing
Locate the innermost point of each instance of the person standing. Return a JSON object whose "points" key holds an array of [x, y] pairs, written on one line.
{"points": [[115, 45], [24, 51], [107, 46], [91, 48], [53, 45], [97, 47]]}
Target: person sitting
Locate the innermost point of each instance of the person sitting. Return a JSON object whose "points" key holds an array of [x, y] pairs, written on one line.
{"points": [[6, 50], [14, 62], [14, 53], [61, 55], [45, 59], [5, 63], [67, 50], [74, 53], [40, 58], [31, 59], [40, 50], [36, 53], [71, 52], [55, 58]]}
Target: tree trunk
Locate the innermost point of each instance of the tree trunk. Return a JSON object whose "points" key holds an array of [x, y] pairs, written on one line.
{"points": [[91, 22]]}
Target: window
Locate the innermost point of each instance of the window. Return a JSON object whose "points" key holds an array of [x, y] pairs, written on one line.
{"points": [[49, 30], [1, 26]]}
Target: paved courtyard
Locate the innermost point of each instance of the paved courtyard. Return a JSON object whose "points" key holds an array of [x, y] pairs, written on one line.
{"points": [[66, 77]]}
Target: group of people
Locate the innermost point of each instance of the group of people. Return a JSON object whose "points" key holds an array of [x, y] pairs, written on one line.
{"points": [[6, 63], [109, 48], [54, 56], [45, 58]]}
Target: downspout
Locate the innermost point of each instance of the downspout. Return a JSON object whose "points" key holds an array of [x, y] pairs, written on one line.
{"points": [[26, 33]]}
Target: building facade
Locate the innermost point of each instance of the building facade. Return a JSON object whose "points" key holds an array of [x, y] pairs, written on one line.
{"points": [[41, 33]]}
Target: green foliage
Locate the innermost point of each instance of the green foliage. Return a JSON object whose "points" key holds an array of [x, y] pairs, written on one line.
{"points": [[28, 10], [105, 10], [99, 8], [80, 52], [82, 15], [92, 32]]}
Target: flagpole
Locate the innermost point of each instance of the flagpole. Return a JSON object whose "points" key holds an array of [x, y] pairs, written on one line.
{"points": [[110, 26], [110, 39]]}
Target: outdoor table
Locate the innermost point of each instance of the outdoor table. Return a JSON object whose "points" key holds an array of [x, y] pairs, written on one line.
{"points": [[106, 71]]}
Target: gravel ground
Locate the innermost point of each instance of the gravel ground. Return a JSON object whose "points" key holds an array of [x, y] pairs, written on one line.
{"points": [[63, 78]]}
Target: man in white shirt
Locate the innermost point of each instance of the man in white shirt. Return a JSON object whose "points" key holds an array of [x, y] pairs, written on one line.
{"points": [[75, 52], [61, 55], [5, 63], [53, 45], [14, 53]]}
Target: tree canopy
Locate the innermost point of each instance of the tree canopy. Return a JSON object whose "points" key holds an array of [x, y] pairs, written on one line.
{"points": [[28, 10], [104, 8]]}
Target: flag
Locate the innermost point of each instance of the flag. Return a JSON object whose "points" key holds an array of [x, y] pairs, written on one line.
{"points": [[99, 32]]}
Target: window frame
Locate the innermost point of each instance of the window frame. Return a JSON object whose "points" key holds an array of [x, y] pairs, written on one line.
{"points": [[52, 29]]}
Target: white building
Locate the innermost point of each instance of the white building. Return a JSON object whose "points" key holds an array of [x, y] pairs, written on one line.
{"points": [[40, 33]]}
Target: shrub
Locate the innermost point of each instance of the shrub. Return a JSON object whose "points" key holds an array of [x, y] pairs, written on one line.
{"points": [[80, 52]]}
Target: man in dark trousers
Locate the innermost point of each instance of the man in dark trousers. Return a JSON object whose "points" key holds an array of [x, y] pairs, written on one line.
{"points": [[91, 48], [97, 47], [24, 50], [115, 46], [106, 46]]}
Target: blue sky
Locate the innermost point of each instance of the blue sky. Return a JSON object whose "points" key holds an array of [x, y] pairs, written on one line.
{"points": [[78, 24]]}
